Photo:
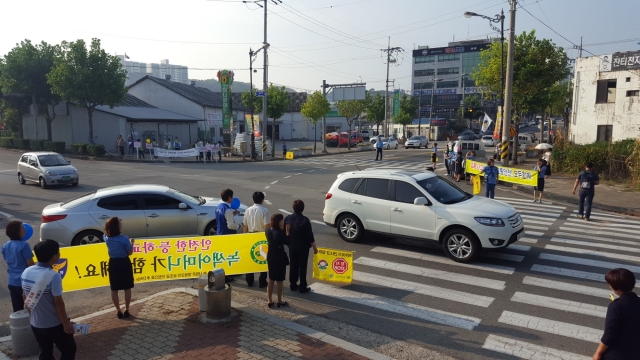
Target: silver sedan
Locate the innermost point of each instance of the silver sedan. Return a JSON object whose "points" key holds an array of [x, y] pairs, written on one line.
{"points": [[150, 211]]}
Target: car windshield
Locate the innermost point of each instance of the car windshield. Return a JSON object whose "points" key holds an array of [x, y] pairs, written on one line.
{"points": [[444, 191], [187, 199], [77, 201], [385, 139], [52, 160], [414, 138]]}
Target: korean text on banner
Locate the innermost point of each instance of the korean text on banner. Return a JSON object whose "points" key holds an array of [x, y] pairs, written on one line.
{"points": [[497, 131], [333, 265], [477, 184], [87, 266], [160, 152], [506, 174]]}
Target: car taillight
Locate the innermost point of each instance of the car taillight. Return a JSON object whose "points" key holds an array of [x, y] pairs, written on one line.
{"points": [[328, 196], [52, 218]]}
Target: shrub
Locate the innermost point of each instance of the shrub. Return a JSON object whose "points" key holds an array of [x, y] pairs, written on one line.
{"points": [[79, 149], [55, 146], [36, 144], [6, 142], [21, 143], [571, 158], [95, 150]]}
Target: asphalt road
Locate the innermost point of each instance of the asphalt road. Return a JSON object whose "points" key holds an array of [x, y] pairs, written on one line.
{"points": [[546, 294]]}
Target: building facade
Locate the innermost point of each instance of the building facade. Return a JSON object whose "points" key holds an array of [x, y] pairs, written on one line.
{"points": [[454, 65], [138, 70], [606, 98]]}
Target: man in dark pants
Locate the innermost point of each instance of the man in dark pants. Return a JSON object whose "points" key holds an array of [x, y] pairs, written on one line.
{"points": [[587, 180], [301, 239], [379, 145], [42, 287], [257, 220]]}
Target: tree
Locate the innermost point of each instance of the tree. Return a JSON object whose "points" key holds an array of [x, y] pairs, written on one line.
{"points": [[403, 119], [375, 109], [88, 77], [314, 109], [25, 71], [351, 110], [408, 107], [12, 120], [277, 105], [254, 104]]}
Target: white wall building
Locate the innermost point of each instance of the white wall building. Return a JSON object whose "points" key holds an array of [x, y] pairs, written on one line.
{"points": [[137, 70], [606, 98]]}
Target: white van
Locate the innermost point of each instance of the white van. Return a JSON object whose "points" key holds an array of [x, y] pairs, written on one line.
{"points": [[525, 139], [465, 146]]}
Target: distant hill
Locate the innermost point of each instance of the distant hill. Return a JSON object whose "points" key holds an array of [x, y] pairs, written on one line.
{"points": [[238, 86]]}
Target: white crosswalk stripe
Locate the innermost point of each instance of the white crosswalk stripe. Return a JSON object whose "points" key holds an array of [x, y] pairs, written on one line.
{"points": [[588, 262], [568, 272], [601, 230], [559, 304], [579, 232], [593, 253], [551, 326], [565, 286], [525, 350], [590, 244], [529, 202], [519, 247]]}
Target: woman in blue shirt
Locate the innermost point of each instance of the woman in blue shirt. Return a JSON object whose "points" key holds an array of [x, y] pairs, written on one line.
{"points": [[120, 269], [18, 256]]}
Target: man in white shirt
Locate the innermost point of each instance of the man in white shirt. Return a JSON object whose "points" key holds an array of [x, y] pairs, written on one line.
{"points": [[256, 219]]}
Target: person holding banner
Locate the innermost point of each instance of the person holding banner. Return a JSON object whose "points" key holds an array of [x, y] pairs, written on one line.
{"points": [[120, 248], [177, 145], [491, 178], [42, 287], [301, 239], [277, 259], [18, 256], [256, 219]]}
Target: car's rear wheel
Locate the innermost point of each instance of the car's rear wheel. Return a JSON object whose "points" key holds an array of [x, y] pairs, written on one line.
{"points": [[43, 183], [350, 228], [211, 229], [87, 237], [396, 146], [461, 245], [21, 179]]}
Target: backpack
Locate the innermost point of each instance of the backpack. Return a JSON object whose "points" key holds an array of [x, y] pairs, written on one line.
{"points": [[586, 180]]}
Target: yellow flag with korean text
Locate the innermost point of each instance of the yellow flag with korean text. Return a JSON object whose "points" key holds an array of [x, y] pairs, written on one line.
{"points": [[333, 265], [477, 185]]}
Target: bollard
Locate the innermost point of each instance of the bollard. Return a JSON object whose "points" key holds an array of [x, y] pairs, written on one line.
{"points": [[218, 295], [203, 281], [22, 339]]}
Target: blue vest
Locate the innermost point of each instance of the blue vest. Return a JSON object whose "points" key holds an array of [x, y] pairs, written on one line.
{"points": [[221, 221]]}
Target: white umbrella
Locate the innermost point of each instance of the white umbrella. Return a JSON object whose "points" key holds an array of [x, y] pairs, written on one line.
{"points": [[544, 146]]}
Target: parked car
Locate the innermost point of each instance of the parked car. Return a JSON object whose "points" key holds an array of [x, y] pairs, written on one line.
{"points": [[416, 141], [467, 135], [342, 140], [422, 206], [488, 140], [531, 123], [390, 143], [46, 168], [148, 211]]}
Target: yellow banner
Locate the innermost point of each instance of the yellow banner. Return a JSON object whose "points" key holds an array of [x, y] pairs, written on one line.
{"points": [[477, 185], [87, 266], [333, 265], [506, 174]]}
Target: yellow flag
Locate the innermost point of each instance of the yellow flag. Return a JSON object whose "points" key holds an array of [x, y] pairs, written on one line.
{"points": [[475, 179], [333, 265]]}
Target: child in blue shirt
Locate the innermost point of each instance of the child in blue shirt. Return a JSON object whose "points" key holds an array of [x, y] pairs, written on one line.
{"points": [[18, 256], [541, 168]]}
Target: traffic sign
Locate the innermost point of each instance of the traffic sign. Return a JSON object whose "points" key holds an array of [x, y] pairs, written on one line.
{"points": [[340, 265], [426, 109], [260, 93]]}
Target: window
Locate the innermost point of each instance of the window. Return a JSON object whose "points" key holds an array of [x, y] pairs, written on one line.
{"points": [[443, 190], [160, 202], [425, 59], [604, 133], [119, 202], [349, 185], [606, 91], [423, 86], [423, 72], [377, 188], [447, 84], [362, 188], [407, 193], [449, 71], [78, 201], [32, 161], [633, 93], [24, 159], [628, 79], [448, 57]]}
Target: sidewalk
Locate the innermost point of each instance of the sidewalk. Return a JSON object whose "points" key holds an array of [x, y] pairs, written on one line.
{"points": [[166, 325], [609, 198]]}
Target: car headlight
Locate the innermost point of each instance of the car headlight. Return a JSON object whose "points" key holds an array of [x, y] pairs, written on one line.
{"points": [[490, 221], [51, 173], [75, 171]]}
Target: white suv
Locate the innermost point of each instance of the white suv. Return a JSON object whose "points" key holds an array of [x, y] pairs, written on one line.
{"points": [[419, 205]]}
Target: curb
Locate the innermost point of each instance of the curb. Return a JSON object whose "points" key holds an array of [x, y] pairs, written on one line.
{"points": [[574, 201], [356, 349]]}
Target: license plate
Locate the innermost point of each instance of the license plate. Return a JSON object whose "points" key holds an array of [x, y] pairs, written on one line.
{"points": [[66, 178], [520, 235]]}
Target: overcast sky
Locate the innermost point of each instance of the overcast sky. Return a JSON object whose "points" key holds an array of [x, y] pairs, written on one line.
{"points": [[311, 40]]}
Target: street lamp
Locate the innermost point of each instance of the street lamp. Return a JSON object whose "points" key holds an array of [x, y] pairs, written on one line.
{"points": [[252, 58], [433, 90]]}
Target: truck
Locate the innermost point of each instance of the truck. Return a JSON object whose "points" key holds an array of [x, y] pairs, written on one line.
{"points": [[334, 139]]}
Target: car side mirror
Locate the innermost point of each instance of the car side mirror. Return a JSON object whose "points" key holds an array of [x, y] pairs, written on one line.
{"points": [[421, 201], [182, 206]]}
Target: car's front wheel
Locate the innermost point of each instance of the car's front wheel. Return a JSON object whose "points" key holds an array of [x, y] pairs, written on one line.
{"points": [[461, 245], [87, 237], [21, 179], [43, 183], [350, 228]]}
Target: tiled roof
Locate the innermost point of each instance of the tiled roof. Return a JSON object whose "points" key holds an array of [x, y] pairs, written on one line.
{"points": [[199, 95], [130, 100]]}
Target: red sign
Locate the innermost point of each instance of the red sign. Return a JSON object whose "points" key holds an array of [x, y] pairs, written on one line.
{"points": [[340, 266]]}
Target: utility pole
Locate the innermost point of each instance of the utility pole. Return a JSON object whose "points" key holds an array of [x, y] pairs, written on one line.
{"points": [[420, 110], [324, 120], [389, 50], [265, 85], [506, 121], [433, 91]]}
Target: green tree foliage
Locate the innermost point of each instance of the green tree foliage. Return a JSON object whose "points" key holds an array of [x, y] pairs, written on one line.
{"points": [[314, 109], [25, 70], [12, 120], [351, 110], [252, 102], [277, 105], [375, 109], [471, 109], [403, 119], [408, 108], [88, 77]]}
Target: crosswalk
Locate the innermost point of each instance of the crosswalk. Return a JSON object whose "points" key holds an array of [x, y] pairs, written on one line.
{"points": [[350, 161], [547, 288]]}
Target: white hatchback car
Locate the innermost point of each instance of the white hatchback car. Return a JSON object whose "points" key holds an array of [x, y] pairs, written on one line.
{"points": [[417, 141], [390, 143], [419, 205], [488, 140]]}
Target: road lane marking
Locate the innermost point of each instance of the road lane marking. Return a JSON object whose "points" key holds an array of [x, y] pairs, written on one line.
{"points": [[551, 326], [565, 286], [569, 272], [597, 231], [311, 171], [529, 203], [268, 186], [318, 222], [503, 256], [297, 174], [285, 211], [542, 211], [537, 227], [268, 202], [7, 170], [604, 246], [443, 260], [286, 177], [396, 306], [539, 214], [432, 273], [589, 262], [546, 220], [533, 233], [529, 221], [525, 350], [519, 247], [560, 304], [593, 253], [611, 220], [602, 214], [273, 182], [528, 240], [435, 291], [6, 215]]}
